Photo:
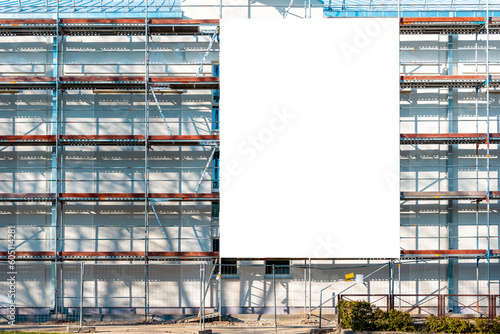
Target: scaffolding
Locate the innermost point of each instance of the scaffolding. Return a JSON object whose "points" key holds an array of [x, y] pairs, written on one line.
{"points": [[61, 86], [112, 111]]}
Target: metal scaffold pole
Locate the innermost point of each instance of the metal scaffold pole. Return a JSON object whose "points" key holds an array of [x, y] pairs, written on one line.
{"points": [[146, 162], [305, 287], [200, 313], [82, 272], [488, 139], [310, 289], [391, 278], [399, 285], [274, 298], [55, 162], [204, 294], [219, 288]]}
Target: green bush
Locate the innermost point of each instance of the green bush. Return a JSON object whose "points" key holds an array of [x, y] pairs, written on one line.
{"points": [[394, 321], [360, 315], [487, 326], [357, 316], [448, 325]]}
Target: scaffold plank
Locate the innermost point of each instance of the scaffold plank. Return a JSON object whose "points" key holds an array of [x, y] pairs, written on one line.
{"points": [[75, 197], [43, 255], [107, 82], [82, 82], [26, 197], [184, 196], [103, 26], [123, 255], [445, 252], [102, 21], [183, 79], [184, 137], [101, 195], [83, 78], [184, 21], [442, 77], [444, 135], [434, 81], [135, 26], [132, 140], [443, 195], [406, 20], [28, 21], [444, 25], [32, 78], [445, 138]]}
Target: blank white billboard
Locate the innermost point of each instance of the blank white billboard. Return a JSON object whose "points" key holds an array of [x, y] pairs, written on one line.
{"points": [[309, 114]]}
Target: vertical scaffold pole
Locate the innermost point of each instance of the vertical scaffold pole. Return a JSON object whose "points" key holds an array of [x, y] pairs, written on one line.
{"points": [[488, 136], [399, 285], [391, 280], [310, 288], [55, 161], [200, 312], [82, 272], [274, 297], [220, 289], [146, 159], [202, 316], [305, 287]]}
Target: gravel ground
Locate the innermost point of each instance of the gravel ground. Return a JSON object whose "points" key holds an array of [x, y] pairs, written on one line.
{"points": [[260, 327]]}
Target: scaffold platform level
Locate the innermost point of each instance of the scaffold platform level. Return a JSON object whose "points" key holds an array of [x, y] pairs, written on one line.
{"points": [[451, 81], [136, 26], [446, 195], [194, 256], [94, 197], [122, 255], [410, 254], [449, 195], [90, 8], [137, 82], [110, 140], [448, 138], [107, 82], [407, 8], [106, 27]]}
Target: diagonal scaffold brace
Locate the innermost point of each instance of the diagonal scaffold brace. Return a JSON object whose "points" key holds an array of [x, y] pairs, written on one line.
{"points": [[207, 51], [206, 168], [288, 9], [162, 228], [161, 111]]}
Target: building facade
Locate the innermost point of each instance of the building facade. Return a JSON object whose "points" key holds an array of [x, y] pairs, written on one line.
{"points": [[110, 154]]}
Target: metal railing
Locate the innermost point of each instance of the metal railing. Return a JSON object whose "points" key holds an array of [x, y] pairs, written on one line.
{"points": [[442, 305]]}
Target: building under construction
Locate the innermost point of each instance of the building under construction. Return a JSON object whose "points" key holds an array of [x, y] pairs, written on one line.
{"points": [[109, 173]]}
